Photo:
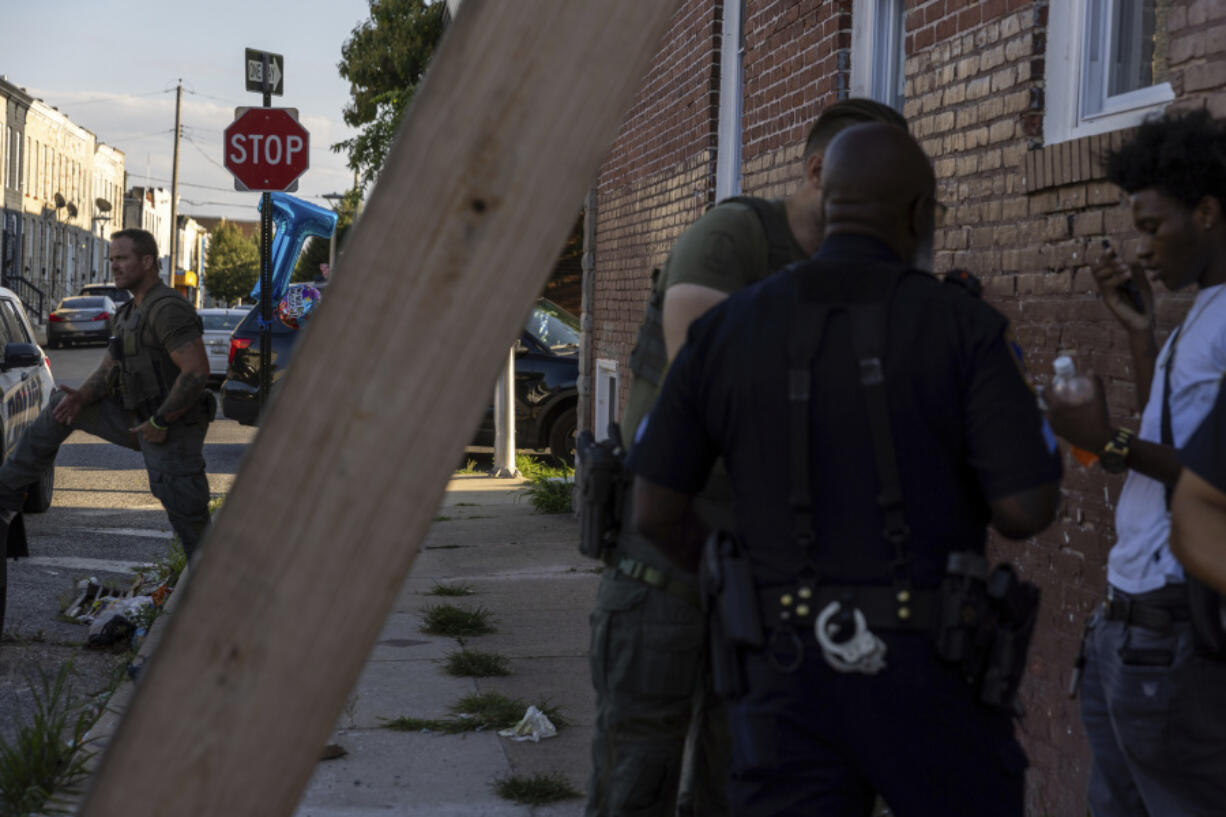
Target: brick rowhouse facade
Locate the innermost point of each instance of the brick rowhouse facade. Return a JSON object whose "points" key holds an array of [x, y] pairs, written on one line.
{"points": [[1025, 216]]}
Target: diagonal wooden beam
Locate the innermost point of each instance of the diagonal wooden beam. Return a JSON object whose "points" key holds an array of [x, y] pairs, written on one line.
{"points": [[336, 493]]}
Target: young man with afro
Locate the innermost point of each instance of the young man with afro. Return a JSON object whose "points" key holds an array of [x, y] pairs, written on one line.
{"points": [[1152, 689]]}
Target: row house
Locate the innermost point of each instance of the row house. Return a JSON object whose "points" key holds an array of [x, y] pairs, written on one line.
{"points": [[1016, 102], [62, 194], [148, 208], [192, 249]]}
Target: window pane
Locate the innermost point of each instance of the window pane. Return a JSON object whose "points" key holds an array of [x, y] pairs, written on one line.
{"points": [[1138, 58]]}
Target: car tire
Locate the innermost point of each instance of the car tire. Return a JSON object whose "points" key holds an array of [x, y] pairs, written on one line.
{"points": [[562, 436], [38, 497]]}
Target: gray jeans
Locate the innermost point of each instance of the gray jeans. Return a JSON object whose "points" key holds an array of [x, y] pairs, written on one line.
{"points": [[176, 467], [1157, 730]]}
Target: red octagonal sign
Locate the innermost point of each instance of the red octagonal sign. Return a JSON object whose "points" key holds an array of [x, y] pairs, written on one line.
{"points": [[266, 149]]}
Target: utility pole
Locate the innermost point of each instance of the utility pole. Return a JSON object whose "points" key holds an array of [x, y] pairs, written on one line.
{"points": [[174, 189]]}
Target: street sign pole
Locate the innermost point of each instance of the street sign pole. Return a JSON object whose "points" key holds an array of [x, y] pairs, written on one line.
{"points": [[265, 267]]}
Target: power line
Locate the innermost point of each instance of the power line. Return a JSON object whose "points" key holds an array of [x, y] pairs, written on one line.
{"points": [[114, 97], [200, 150]]}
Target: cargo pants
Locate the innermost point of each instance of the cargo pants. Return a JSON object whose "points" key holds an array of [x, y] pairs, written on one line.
{"points": [[175, 467], [649, 668]]}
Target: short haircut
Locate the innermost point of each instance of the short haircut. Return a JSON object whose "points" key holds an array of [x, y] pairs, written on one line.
{"points": [[1181, 155], [842, 115], [143, 241]]}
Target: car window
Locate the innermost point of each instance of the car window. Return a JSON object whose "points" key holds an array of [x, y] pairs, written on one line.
{"points": [[221, 322], [82, 303], [7, 335], [13, 318], [552, 326]]}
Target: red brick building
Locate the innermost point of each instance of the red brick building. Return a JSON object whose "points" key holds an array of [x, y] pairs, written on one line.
{"points": [[1014, 105]]}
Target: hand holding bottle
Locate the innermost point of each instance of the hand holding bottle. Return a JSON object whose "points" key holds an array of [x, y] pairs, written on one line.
{"points": [[1077, 410]]}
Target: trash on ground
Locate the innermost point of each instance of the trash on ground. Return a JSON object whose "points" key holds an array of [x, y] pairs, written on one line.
{"points": [[533, 726], [118, 619]]}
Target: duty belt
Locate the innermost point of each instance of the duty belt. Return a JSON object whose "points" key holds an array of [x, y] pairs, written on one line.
{"points": [[1158, 610], [654, 577], [884, 608]]}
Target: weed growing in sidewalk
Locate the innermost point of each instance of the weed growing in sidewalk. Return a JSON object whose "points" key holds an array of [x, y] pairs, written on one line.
{"points": [[535, 790], [457, 622], [550, 495], [168, 568], [441, 589], [470, 467], [476, 664], [47, 760], [477, 712]]}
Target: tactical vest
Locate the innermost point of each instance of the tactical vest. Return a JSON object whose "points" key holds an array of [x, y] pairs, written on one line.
{"points": [[649, 357], [147, 371]]}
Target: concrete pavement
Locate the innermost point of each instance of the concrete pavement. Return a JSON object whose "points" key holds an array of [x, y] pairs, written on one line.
{"points": [[526, 570]]}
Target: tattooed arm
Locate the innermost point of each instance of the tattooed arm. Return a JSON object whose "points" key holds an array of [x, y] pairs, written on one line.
{"points": [[193, 365]]}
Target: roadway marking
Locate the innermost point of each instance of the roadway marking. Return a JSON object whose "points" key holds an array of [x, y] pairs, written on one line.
{"points": [[142, 532], [82, 563]]}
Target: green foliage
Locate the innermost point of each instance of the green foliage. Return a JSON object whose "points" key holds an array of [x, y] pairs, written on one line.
{"points": [[233, 264], [477, 664], [457, 622], [384, 60], [47, 760], [167, 569], [317, 250], [550, 487], [535, 790], [474, 713]]}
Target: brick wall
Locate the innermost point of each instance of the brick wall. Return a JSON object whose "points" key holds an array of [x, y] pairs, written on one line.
{"points": [[1026, 217], [658, 177]]}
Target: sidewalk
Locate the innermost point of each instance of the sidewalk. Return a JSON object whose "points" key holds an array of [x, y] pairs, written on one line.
{"points": [[524, 568]]}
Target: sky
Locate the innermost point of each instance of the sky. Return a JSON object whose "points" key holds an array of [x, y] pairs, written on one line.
{"points": [[112, 67]]}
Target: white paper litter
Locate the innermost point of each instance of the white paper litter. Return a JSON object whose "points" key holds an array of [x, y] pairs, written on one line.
{"points": [[533, 726]]}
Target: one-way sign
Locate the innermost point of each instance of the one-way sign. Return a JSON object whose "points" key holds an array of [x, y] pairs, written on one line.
{"points": [[255, 71]]}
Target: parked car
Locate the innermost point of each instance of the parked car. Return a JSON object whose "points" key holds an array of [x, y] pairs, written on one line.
{"points": [[111, 290], [25, 388], [546, 384], [218, 324], [80, 318], [240, 391], [546, 378]]}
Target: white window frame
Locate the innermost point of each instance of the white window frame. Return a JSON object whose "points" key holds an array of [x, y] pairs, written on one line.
{"points": [[878, 43], [1071, 84], [607, 386]]}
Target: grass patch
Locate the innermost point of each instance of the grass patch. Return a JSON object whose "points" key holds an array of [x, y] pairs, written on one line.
{"points": [[476, 664], [550, 486], [465, 505], [550, 495], [469, 467], [476, 713], [535, 790], [442, 518], [457, 622], [440, 589], [47, 759], [168, 568]]}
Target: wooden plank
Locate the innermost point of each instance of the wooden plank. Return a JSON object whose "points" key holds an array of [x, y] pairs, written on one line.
{"points": [[337, 492]]}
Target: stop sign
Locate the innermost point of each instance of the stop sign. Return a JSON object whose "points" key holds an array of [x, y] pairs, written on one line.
{"points": [[266, 149]]}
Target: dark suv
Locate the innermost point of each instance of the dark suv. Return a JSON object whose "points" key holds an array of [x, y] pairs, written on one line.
{"points": [[546, 375]]}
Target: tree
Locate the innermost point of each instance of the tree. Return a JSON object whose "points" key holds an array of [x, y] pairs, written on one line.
{"points": [[233, 264], [317, 250], [384, 60]]}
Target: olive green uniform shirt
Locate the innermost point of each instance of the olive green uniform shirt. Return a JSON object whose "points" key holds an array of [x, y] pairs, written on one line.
{"points": [[726, 250]]}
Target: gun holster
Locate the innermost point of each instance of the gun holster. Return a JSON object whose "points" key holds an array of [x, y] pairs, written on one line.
{"points": [[730, 599], [603, 487], [986, 622]]}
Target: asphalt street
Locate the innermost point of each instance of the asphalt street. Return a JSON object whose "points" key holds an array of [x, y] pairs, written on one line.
{"points": [[102, 523]]}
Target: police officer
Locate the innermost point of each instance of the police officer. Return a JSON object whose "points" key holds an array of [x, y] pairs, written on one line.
{"points": [[873, 421], [148, 394], [648, 632]]}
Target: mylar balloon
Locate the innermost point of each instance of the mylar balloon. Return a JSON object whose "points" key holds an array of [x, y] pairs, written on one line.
{"points": [[297, 305]]}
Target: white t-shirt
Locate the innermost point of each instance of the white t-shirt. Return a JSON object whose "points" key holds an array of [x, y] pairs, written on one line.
{"points": [[1141, 559]]}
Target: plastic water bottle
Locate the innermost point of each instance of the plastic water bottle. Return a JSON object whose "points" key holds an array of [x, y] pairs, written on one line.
{"points": [[1074, 389]]}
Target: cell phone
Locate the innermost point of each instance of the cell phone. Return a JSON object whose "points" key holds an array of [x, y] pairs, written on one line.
{"points": [[1129, 288]]}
